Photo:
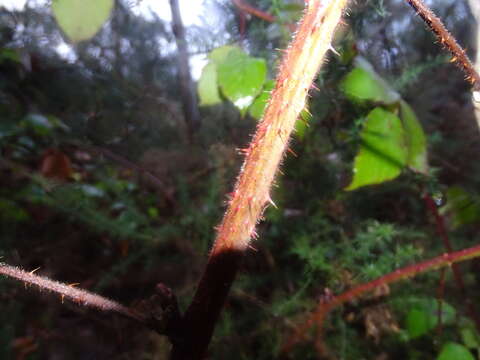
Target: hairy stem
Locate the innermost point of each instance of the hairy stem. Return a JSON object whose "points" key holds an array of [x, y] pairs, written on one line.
{"points": [[69, 292], [323, 308], [252, 190], [460, 58]]}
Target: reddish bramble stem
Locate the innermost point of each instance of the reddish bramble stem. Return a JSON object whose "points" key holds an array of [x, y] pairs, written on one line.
{"points": [[69, 292], [252, 191], [460, 58], [457, 273], [323, 308]]}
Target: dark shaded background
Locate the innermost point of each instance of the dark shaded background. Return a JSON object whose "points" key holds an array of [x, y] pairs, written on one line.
{"points": [[100, 185]]}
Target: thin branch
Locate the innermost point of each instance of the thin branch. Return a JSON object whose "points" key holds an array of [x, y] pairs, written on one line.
{"points": [[69, 292], [460, 57], [443, 233], [159, 184], [159, 312], [252, 191], [246, 8], [323, 308]]}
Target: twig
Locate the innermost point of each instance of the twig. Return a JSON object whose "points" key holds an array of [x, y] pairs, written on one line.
{"points": [[160, 185], [323, 308], [460, 58], [440, 296], [159, 312], [246, 8], [69, 292], [252, 191], [442, 232]]}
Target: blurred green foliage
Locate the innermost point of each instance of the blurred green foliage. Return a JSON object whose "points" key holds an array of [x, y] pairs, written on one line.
{"points": [[100, 186]]}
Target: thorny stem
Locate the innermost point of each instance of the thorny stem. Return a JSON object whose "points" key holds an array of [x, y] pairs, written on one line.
{"points": [[159, 312], [460, 58], [69, 292], [323, 308], [252, 190]]}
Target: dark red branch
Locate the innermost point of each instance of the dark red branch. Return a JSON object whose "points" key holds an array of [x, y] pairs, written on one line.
{"points": [[200, 318], [443, 233], [246, 8], [460, 58], [324, 307], [440, 296]]}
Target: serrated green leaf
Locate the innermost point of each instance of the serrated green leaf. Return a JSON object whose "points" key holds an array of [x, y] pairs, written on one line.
{"points": [[258, 107], [81, 19], [241, 78], [415, 139], [454, 351], [208, 86], [364, 84], [383, 151]]}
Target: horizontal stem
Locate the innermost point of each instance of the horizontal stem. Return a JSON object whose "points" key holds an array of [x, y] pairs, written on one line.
{"points": [[69, 292], [324, 308]]}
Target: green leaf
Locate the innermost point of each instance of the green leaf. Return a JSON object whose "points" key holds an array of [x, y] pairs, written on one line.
{"points": [[469, 333], [423, 316], [208, 86], [417, 323], [364, 84], [81, 19], [11, 212], [258, 107], [241, 78], [464, 207], [40, 124], [219, 54], [415, 139], [10, 55], [383, 151], [454, 351]]}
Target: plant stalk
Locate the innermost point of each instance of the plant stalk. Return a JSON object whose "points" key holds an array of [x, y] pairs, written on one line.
{"points": [[251, 194]]}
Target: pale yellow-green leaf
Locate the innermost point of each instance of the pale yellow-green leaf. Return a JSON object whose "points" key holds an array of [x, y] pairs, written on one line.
{"points": [[81, 19], [415, 139], [208, 86]]}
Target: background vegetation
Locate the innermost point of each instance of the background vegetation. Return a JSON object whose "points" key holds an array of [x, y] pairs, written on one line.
{"points": [[101, 185]]}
